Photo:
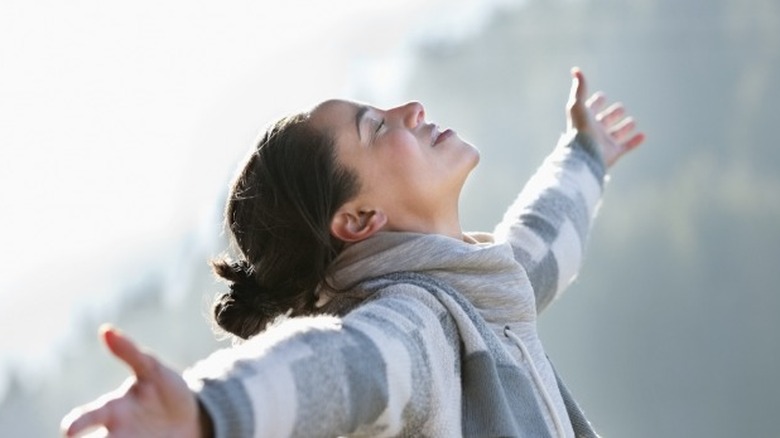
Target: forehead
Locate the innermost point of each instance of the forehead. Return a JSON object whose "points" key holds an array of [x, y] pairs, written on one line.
{"points": [[337, 117]]}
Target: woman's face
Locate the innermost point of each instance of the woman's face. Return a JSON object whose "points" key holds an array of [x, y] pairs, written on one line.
{"points": [[411, 169]]}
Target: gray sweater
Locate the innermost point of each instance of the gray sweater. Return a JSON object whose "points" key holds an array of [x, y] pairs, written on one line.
{"points": [[436, 336]]}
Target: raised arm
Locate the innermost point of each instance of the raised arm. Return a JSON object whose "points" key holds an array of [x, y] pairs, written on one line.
{"points": [[549, 222]]}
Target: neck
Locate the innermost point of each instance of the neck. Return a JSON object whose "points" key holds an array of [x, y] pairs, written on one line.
{"points": [[443, 224]]}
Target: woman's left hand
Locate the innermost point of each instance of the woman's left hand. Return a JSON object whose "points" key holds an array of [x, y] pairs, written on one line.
{"points": [[154, 402], [609, 126]]}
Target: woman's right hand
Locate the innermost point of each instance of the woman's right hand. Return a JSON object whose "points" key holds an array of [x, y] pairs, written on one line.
{"points": [[155, 401]]}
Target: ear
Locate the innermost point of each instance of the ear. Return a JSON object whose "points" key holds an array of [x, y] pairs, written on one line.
{"points": [[353, 225]]}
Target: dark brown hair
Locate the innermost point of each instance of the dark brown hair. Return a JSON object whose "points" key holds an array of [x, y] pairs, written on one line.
{"points": [[278, 214]]}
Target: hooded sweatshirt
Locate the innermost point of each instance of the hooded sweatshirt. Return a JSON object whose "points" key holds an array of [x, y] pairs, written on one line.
{"points": [[428, 335]]}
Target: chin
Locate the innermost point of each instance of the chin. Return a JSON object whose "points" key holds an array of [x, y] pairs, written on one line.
{"points": [[467, 156], [474, 155]]}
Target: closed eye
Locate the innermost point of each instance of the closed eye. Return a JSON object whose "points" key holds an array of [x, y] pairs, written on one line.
{"points": [[379, 127]]}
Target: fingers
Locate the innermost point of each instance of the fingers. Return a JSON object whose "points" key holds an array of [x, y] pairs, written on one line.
{"points": [[612, 115], [620, 127], [618, 124], [77, 421], [624, 133], [634, 141], [620, 130], [596, 102], [142, 364], [98, 413]]}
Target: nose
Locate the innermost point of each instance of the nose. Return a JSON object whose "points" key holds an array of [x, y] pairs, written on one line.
{"points": [[412, 114]]}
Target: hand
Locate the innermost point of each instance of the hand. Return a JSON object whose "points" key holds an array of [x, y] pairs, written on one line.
{"points": [[154, 402], [611, 128]]}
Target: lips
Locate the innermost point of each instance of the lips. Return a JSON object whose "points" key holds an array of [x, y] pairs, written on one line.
{"points": [[439, 137]]}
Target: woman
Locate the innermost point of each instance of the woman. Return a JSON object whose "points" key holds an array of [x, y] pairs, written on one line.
{"points": [[347, 218]]}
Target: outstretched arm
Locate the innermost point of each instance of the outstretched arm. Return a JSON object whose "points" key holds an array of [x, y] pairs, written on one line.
{"points": [[374, 372], [155, 401], [549, 222]]}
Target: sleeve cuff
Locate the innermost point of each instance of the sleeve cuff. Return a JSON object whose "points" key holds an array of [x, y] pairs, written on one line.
{"points": [[228, 406], [585, 147]]}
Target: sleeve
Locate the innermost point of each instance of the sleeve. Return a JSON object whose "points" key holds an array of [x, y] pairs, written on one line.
{"points": [[381, 370], [548, 224]]}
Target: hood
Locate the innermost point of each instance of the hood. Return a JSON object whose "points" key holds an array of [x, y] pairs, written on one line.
{"points": [[486, 273]]}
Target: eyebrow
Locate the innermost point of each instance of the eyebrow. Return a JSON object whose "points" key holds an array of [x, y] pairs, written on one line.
{"points": [[362, 110]]}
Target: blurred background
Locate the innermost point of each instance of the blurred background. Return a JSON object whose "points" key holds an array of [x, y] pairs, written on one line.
{"points": [[121, 124]]}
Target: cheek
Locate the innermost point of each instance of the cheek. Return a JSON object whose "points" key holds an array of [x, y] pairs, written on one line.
{"points": [[402, 152]]}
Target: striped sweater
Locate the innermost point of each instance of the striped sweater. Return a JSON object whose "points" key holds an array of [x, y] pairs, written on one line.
{"points": [[437, 336]]}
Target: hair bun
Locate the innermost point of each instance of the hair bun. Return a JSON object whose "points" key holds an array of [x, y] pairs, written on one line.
{"points": [[247, 307]]}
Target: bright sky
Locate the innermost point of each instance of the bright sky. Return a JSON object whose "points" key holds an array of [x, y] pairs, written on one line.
{"points": [[120, 121]]}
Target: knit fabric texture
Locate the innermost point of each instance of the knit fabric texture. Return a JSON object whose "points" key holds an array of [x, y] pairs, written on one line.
{"points": [[434, 336]]}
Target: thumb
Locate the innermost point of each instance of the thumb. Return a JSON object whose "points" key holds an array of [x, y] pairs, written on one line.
{"points": [[142, 364], [579, 89], [576, 107]]}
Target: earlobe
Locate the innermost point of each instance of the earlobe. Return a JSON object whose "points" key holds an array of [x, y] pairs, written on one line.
{"points": [[351, 226]]}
